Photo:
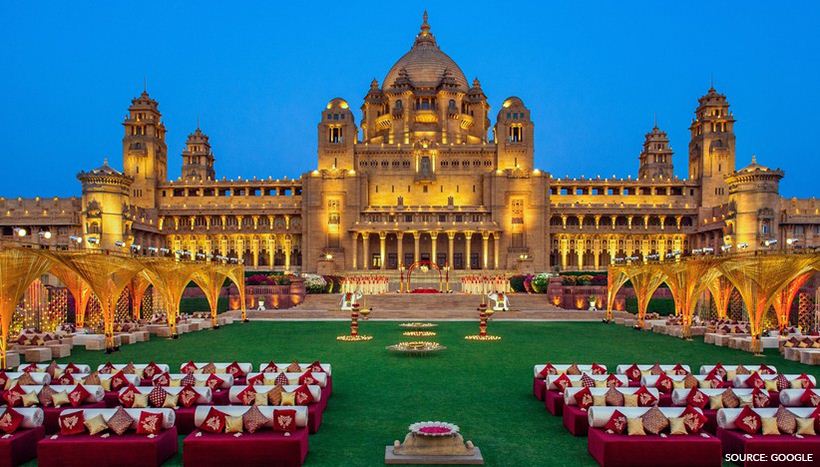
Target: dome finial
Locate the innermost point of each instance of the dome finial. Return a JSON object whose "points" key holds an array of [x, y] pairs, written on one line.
{"points": [[424, 26], [425, 36], [754, 159]]}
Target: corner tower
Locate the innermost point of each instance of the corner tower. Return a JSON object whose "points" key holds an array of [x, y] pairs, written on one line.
{"points": [[144, 153], [656, 157], [712, 148], [337, 136], [105, 216], [514, 136], [197, 158], [754, 197]]}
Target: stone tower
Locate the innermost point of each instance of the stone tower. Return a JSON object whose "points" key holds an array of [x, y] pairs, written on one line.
{"points": [[337, 136], [144, 153], [105, 215], [712, 148], [753, 197], [197, 158], [514, 136], [656, 157]]}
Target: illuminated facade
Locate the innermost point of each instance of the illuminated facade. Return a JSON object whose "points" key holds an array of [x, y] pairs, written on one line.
{"points": [[424, 175]]}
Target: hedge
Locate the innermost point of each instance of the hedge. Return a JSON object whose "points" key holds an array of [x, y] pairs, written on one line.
{"points": [[194, 304], [661, 306]]}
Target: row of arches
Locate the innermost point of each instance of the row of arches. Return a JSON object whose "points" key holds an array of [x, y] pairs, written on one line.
{"points": [[107, 275]]}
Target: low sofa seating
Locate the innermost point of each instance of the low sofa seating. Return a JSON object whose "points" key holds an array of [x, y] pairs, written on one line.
{"points": [[634, 371], [540, 372], [578, 400], [272, 379], [770, 432], [247, 395], [60, 367], [183, 404], [235, 369], [315, 367], [219, 383], [642, 436], [10, 378], [247, 435], [809, 397], [555, 386], [89, 341], [148, 438], [728, 372], [774, 383], [110, 383], [86, 397], [711, 400], [22, 429], [144, 371]]}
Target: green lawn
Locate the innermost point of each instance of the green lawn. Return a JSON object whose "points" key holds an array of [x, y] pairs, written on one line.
{"points": [[484, 387]]}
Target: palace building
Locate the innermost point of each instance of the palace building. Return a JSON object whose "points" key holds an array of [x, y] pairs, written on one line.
{"points": [[423, 175]]}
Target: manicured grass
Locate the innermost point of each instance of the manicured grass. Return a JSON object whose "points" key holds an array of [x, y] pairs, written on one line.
{"points": [[484, 387]]}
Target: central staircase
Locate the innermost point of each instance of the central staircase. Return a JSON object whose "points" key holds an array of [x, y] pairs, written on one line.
{"points": [[425, 306]]}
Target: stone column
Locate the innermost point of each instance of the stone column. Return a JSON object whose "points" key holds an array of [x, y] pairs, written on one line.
{"points": [[416, 238], [382, 250], [496, 242], [485, 250], [433, 237], [255, 251], [288, 245], [451, 236], [365, 250], [355, 251], [467, 237], [564, 252], [400, 248], [580, 252], [271, 246]]}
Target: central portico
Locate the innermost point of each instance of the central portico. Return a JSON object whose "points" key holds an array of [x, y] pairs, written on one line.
{"points": [[426, 181]]}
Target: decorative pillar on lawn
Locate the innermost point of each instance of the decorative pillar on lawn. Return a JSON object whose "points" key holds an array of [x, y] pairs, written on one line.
{"points": [[136, 290], [759, 278], [483, 318], [646, 279], [784, 299], [18, 268], [721, 289], [170, 277], [210, 279], [615, 279], [78, 288], [687, 280], [107, 275], [354, 335]]}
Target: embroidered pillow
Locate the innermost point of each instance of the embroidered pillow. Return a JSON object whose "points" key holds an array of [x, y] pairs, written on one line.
{"points": [[120, 422], [633, 373], [188, 396], [587, 381], [679, 370], [188, 380], [45, 396], [253, 420], [234, 370], [95, 424], [562, 382], [748, 420], [157, 396], [730, 399], [654, 421], [614, 397], [270, 368], [214, 382], [573, 370], [689, 381], [786, 421], [755, 381], [163, 379], [10, 420], [210, 368], [149, 423], [282, 379], [71, 422], [275, 395], [150, 370], [78, 396], [189, 367], [214, 422], [809, 398], [693, 420], [656, 369], [645, 398], [616, 423], [598, 369], [307, 378], [246, 396], [126, 397], [284, 420], [294, 367], [696, 398], [760, 398], [614, 381], [664, 384], [258, 379], [583, 398]]}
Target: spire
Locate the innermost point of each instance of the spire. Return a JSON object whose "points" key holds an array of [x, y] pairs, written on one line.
{"points": [[425, 37], [754, 159], [655, 119]]}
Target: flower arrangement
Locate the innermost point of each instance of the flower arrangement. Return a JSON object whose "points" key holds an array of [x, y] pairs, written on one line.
{"points": [[434, 429], [417, 324], [416, 347], [314, 283]]}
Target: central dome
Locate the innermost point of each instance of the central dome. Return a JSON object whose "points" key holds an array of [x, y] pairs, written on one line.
{"points": [[425, 64]]}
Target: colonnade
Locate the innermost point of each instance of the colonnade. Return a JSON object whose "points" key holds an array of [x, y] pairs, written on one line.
{"points": [[459, 245]]}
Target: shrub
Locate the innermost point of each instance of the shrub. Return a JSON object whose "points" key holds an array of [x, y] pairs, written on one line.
{"points": [[661, 306], [568, 280], [586, 279], [540, 282], [314, 283], [599, 279]]}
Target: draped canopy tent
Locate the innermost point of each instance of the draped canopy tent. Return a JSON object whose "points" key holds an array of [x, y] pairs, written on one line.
{"points": [[763, 280], [106, 275]]}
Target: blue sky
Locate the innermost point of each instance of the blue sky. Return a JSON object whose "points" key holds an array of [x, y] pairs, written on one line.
{"points": [[259, 73]]}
